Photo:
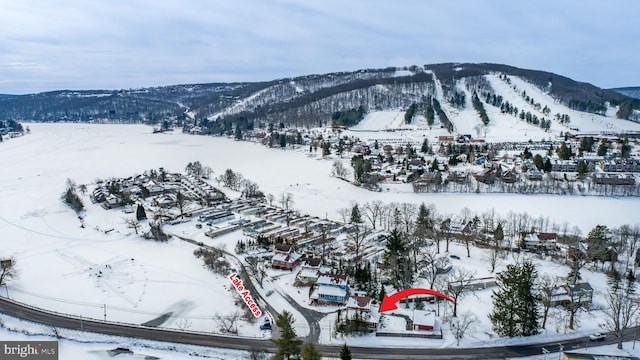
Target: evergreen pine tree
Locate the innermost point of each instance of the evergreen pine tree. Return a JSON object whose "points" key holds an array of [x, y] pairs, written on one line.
{"points": [[356, 217], [326, 149], [288, 345], [424, 225], [582, 169], [397, 260], [603, 148], [516, 304], [563, 152], [498, 233], [345, 352], [309, 352], [140, 213], [425, 146]]}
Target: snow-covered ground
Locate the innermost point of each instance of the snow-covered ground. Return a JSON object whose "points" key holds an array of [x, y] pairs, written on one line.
{"points": [[84, 271], [83, 345], [390, 124]]}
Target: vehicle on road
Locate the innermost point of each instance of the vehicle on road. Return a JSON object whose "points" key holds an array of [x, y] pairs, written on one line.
{"points": [[266, 325], [597, 337]]}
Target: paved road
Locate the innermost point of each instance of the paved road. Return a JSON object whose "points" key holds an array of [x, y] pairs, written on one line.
{"points": [[17, 310], [311, 316]]}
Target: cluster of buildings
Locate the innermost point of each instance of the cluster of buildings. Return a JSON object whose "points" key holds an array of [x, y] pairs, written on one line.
{"points": [[159, 190]]}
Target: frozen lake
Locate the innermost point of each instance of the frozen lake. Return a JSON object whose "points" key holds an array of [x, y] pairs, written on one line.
{"points": [[38, 165]]}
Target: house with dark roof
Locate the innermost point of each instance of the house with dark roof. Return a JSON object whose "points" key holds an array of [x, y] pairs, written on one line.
{"points": [[285, 257], [360, 307], [534, 240]]}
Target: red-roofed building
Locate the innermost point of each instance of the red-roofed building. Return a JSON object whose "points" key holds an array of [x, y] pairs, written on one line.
{"points": [[360, 307], [285, 258]]}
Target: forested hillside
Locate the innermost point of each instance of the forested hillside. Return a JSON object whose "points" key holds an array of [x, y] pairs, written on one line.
{"points": [[309, 100]]}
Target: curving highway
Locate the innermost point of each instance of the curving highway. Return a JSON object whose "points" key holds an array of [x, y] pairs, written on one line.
{"points": [[22, 311]]}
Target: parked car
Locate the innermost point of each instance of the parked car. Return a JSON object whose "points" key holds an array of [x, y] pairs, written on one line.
{"points": [[266, 325], [454, 257], [597, 337]]}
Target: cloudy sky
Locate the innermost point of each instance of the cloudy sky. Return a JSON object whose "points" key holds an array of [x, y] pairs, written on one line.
{"points": [[99, 44]]}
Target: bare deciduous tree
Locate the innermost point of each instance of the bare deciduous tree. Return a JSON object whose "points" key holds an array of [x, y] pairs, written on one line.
{"points": [[181, 202], [345, 214], [183, 324], [338, 170], [228, 324], [373, 211], [286, 200], [493, 258], [156, 232], [460, 280], [133, 223], [462, 323], [622, 304], [8, 270], [407, 214], [546, 285]]}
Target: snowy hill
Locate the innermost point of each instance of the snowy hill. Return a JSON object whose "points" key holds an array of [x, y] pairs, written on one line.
{"points": [[311, 100], [633, 91]]}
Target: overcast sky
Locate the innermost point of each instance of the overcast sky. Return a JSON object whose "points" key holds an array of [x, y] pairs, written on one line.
{"points": [[99, 44]]}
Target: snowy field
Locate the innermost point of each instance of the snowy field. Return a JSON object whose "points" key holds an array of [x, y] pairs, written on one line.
{"points": [[105, 268]]}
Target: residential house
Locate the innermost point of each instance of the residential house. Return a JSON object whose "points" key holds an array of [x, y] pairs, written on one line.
{"points": [[285, 258], [537, 241], [424, 320], [111, 202], [331, 288], [308, 273], [581, 293], [613, 179], [509, 176], [153, 188], [360, 306], [487, 176], [534, 174]]}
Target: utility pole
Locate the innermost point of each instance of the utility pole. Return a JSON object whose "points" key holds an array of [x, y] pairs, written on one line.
{"points": [[105, 312], [561, 350]]}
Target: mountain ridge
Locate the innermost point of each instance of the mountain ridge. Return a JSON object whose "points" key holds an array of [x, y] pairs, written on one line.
{"points": [[301, 101]]}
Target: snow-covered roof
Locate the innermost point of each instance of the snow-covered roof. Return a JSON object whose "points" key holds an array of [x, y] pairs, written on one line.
{"points": [[308, 273], [332, 280], [424, 317], [329, 291], [292, 257]]}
